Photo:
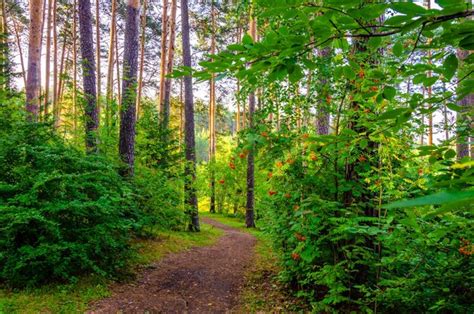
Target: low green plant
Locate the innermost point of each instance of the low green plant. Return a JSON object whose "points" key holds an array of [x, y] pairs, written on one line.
{"points": [[62, 213]]}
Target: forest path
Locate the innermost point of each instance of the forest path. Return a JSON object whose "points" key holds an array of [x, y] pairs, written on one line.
{"points": [[200, 280]]}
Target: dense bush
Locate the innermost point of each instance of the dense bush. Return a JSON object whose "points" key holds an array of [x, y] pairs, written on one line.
{"points": [[338, 258], [159, 199], [62, 213]]}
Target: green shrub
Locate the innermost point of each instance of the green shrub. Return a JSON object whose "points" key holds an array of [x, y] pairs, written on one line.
{"points": [[159, 199], [62, 213]]}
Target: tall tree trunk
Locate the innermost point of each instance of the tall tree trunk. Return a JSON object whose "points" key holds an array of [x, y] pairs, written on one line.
{"points": [[61, 70], [190, 146], [142, 59], [445, 115], [181, 111], [55, 63], [129, 87], [5, 58], [88, 73], [169, 67], [74, 66], [57, 112], [164, 37], [97, 53], [465, 119], [34, 60], [249, 213], [20, 51], [117, 65], [323, 118], [48, 58], [110, 65], [237, 99], [212, 116], [427, 4], [43, 22]]}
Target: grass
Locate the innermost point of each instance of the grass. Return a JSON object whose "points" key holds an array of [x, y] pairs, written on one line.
{"points": [[75, 297]]}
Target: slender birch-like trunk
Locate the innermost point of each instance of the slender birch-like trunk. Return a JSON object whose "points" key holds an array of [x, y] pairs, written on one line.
{"points": [[34, 60]]}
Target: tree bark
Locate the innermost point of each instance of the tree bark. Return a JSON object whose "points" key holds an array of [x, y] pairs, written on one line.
{"points": [[164, 36], [117, 65], [110, 66], [323, 118], [55, 64], [142, 59], [464, 119], [97, 36], [20, 51], [169, 67], [4, 40], [129, 87], [47, 73], [190, 146], [88, 73], [57, 112], [250, 206], [61, 70], [212, 116], [74, 66], [34, 60]]}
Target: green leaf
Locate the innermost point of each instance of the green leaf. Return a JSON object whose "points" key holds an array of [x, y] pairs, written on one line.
{"points": [[278, 73], [247, 40], [429, 81], [392, 114], [397, 49], [296, 74], [440, 198], [397, 20], [450, 66], [389, 92], [450, 153], [348, 72], [451, 3], [467, 42], [454, 107], [236, 47], [374, 42], [419, 78], [408, 8]]}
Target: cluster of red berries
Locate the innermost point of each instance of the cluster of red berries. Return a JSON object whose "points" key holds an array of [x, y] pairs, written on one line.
{"points": [[300, 237], [467, 248]]}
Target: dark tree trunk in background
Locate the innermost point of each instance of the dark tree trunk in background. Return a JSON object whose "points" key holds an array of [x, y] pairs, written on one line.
{"points": [[129, 87], [34, 60], [88, 73], [249, 213], [97, 53], [190, 149], [322, 119], [465, 119]]}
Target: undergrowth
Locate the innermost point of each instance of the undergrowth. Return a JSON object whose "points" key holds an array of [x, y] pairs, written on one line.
{"points": [[75, 297]]}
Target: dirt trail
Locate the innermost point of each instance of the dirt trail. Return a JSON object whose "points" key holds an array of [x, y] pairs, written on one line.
{"points": [[200, 280]]}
